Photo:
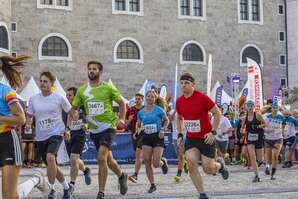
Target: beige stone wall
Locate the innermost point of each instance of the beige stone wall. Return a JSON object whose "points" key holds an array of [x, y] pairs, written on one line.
{"points": [[93, 31]]}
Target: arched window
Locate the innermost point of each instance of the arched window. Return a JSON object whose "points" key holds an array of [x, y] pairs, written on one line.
{"points": [[253, 52], [192, 53], [128, 50], [55, 46], [4, 38]]}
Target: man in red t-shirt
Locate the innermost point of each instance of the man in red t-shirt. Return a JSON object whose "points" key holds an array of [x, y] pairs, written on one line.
{"points": [[193, 108], [131, 121]]}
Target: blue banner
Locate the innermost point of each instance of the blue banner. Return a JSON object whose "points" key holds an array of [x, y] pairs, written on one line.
{"points": [[245, 92], [218, 96], [122, 149]]}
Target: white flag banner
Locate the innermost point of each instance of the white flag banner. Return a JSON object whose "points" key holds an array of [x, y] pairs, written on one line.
{"points": [[143, 89], [58, 88], [219, 96], [62, 156], [209, 75], [30, 89], [255, 88], [163, 92]]}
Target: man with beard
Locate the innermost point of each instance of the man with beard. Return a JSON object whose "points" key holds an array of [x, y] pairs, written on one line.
{"points": [[97, 98], [47, 108]]}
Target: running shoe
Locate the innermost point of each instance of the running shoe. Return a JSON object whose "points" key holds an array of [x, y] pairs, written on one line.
{"points": [[290, 164], [71, 188], [223, 170], [87, 175], [123, 184], [41, 185], [66, 193], [285, 165], [272, 178], [100, 195], [203, 196], [152, 188], [256, 179], [267, 171], [177, 179], [133, 178], [52, 194], [164, 167], [29, 165]]}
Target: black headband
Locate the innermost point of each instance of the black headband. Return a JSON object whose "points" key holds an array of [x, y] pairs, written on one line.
{"points": [[187, 77]]}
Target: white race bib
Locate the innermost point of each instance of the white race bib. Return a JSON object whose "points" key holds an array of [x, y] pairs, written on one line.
{"points": [[192, 126], [46, 124], [253, 137], [76, 125], [96, 108], [150, 128]]}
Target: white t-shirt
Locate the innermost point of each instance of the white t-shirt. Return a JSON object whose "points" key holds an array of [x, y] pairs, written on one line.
{"points": [[223, 127], [275, 124], [48, 114]]}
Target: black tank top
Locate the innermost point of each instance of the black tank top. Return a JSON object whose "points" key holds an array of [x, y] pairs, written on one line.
{"points": [[252, 126]]}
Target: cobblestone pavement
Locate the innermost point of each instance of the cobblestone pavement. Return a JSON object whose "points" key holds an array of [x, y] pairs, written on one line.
{"points": [[239, 185]]}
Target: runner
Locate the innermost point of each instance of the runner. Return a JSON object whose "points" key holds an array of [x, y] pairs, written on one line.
{"points": [[289, 137], [11, 114], [193, 108], [131, 121], [153, 120], [253, 128], [47, 108], [97, 98], [232, 139], [179, 149], [76, 143], [222, 137], [274, 131], [293, 149], [27, 139], [239, 139]]}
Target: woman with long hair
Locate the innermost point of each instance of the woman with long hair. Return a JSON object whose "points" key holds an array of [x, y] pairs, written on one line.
{"points": [[11, 115], [153, 121], [274, 132], [253, 127]]}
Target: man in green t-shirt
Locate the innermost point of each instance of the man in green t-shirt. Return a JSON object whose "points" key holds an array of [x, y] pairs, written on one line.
{"points": [[97, 99]]}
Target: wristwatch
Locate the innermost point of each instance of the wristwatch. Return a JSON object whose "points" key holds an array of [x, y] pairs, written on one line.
{"points": [[213, 132]]}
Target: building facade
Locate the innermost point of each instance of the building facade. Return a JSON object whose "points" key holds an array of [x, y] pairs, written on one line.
{"points": [[145, 39], [292, 30]]}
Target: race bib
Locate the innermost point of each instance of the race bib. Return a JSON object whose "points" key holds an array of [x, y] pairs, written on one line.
{"points": [[29, 132], [46, 124], [96, 108], [150, 128], [192, 126], [76, 125], [252, 137]]}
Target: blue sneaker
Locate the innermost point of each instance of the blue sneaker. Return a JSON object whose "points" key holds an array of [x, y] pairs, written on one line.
{"points": [[67, 193], [52, 194]]}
